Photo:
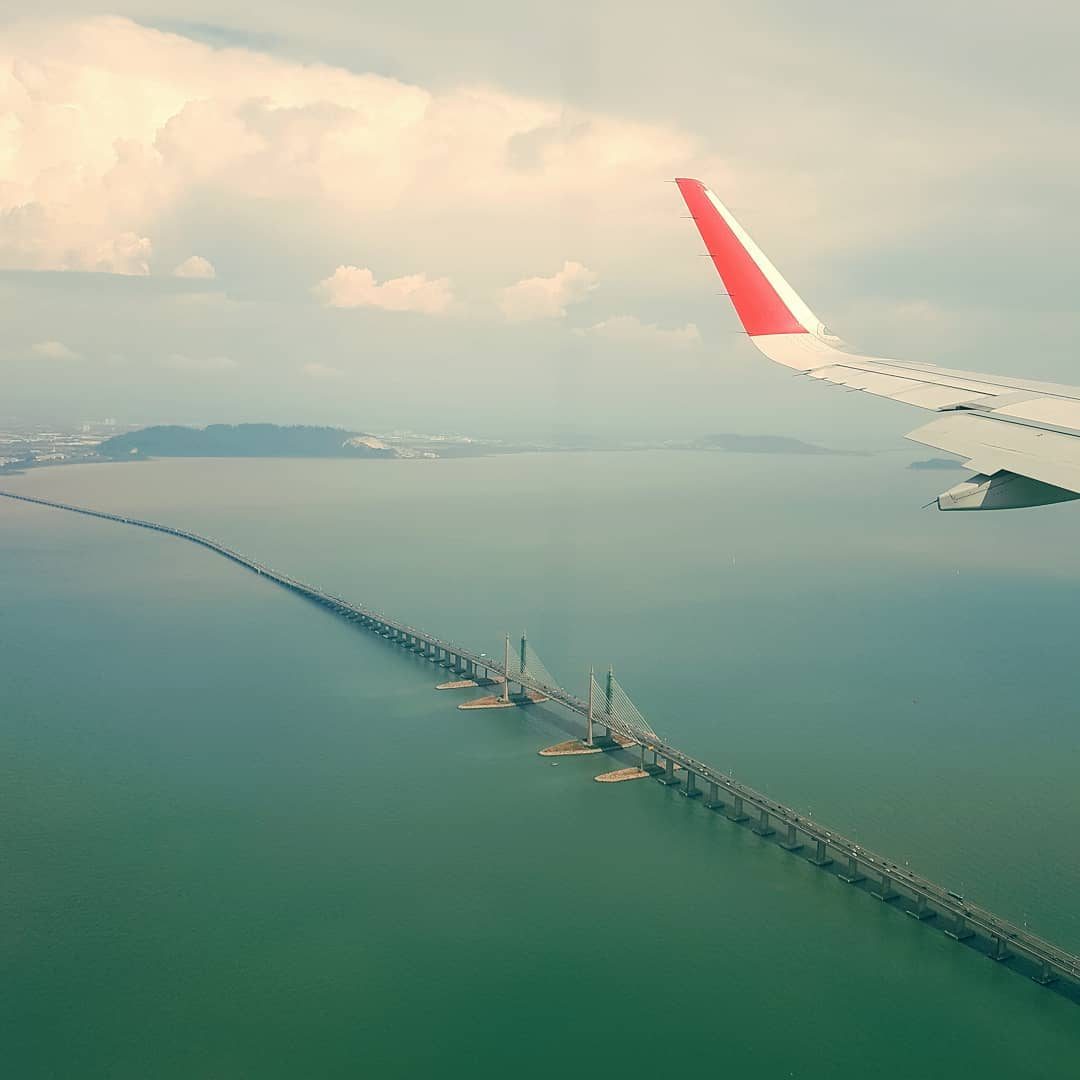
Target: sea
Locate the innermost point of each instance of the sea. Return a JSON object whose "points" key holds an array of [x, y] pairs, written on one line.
{"points": [[241, 838]]}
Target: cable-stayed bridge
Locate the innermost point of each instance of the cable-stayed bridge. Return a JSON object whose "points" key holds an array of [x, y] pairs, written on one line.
{"points": [[608, 705]]}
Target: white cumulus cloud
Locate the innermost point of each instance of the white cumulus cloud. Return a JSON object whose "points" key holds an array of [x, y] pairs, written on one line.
{"points": [[547, 297], [630, 330], [355, 286], [109, 130], [54, 350], [195, 266]]}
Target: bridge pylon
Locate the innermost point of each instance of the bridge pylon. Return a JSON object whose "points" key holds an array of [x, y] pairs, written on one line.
{"points": [[619, 716]]}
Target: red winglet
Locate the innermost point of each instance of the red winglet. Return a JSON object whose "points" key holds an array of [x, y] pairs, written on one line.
{"points": [[757, 303]]}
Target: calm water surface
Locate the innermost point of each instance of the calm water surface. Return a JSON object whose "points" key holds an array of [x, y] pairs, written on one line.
{"points": [[243, 839]]}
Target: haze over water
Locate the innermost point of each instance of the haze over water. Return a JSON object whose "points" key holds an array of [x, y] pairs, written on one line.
{"points": [[242, 838]]}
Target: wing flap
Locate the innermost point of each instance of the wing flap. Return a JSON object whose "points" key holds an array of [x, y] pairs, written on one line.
{"points": [[990, 445]]}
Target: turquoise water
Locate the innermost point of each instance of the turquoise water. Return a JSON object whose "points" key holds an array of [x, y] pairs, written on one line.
{"points": [[242, 839]]}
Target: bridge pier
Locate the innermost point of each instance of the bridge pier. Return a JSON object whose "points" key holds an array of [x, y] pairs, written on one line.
{"points": [[921, 911], [821, 855], [713, 802], [691, 790], [1046, 975], [652, 768], [667, 777], [791, 843], [885, 892], [853, 875], [763, 828], [1001, 949], [959, 931], [737, 813]]}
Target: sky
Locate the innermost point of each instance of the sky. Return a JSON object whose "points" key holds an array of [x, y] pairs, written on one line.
{"points": [[460, 217]]}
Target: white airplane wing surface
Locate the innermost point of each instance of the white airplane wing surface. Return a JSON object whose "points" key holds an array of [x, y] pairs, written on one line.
{"points": [[1020, 438]]}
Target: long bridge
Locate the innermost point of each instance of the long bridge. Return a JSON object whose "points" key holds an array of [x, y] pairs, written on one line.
{"points": [[608, 705]]}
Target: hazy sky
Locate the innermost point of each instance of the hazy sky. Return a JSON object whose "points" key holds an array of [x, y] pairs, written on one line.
{"points": [[423, 215]]}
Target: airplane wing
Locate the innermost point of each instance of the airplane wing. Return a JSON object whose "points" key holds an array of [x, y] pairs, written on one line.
{"points": [[1020, 438]]}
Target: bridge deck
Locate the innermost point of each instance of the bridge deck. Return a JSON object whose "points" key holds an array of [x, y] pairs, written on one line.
{"points": [[1053, 961]]}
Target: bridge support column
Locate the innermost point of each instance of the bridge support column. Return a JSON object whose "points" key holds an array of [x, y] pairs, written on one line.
{"points": [[589, 721], [763, 828], [668, 777], [821, 855], [691, 790], [921, 911], [1046, 975], [853, 875], [506, 670], [791, 843], [737, 813], [959, 931], [713, 802], [885, 891], [1001, 949]]}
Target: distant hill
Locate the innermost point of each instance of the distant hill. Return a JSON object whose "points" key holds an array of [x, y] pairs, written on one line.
{"points": [[244, 440], [757, 444]]}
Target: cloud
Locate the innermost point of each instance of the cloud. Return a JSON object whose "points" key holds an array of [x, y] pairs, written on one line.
{"points": [[54, 350], [630, 330], [195, 266], [197, 364], [354, 286], [110, 131], [547, 297], [315, 370]]}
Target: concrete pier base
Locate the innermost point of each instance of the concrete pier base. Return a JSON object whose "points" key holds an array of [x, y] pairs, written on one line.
{"points": [[462, 684], [959, 930], [821, 854], [762, 826], [651, 767], [514, 701], [1046, 976], [920, 911], [885, 891], [791, 842], [668, 777], [713, 802], [852, 875], [691, 791], [736, 813], [1001, 950], [619, 775], [570, 748]]}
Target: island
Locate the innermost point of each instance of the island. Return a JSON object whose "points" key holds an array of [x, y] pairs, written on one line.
{"points": [[244, 440]]}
